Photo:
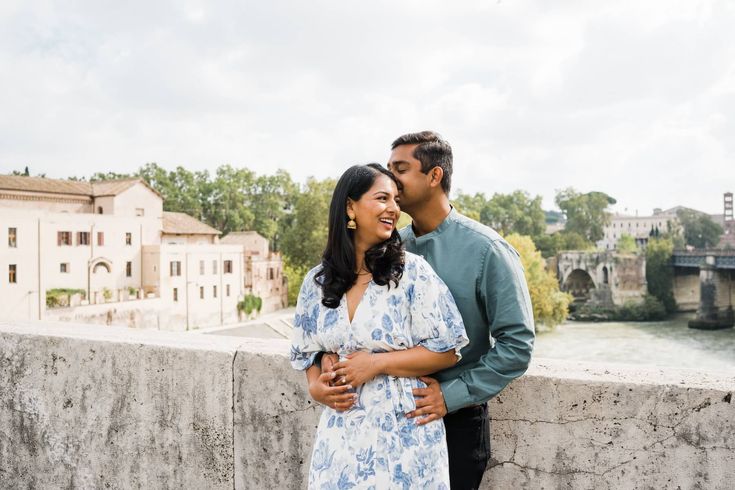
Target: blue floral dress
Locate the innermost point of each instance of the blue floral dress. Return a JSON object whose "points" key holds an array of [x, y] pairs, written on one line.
{"points": [[373, 445]]}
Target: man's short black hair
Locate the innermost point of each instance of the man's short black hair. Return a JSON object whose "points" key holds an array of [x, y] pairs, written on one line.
{"points": [[432, 151]]}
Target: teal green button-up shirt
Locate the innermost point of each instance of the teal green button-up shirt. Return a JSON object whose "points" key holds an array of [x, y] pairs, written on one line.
{"points": [[485, 276]]}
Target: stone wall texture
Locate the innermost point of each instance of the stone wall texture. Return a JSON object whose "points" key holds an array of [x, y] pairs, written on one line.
{"points": [[108, 407]]}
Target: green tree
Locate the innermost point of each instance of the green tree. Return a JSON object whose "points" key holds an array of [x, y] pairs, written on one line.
{"points": [[470, 206], [304, 230], [660, 273], [517, 212], [101, 176], [271, 198], [550, 305], [550, 245], [699, 229], [226, 199], [182, 191], [586, 213], [626, 244]]}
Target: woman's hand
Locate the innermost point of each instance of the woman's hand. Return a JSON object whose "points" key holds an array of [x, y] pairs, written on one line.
{"points": [[336, 397], [359, 368]]}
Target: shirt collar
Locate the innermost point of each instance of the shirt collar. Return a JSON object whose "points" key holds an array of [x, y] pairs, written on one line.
{"points": [[451, 217]]}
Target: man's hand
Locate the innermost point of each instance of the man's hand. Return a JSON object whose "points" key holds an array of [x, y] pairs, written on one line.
{"points": [[429, 402], [359, 368], [336, 397]]}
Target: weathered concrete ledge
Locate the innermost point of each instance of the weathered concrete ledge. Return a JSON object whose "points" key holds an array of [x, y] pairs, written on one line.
{"points": [[105, 407]]}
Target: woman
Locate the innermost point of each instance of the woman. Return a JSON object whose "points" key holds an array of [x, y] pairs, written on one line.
{"points": [[390, 317]]}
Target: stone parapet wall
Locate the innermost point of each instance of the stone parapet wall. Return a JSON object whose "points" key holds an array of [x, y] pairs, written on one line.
{"points": [[106, 407]]}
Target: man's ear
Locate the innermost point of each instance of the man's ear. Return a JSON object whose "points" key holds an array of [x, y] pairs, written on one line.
{"points": [[437, 174]]}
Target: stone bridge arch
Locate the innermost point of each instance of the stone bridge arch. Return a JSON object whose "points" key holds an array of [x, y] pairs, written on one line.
{"points": [[579, 283], [614, 278]]}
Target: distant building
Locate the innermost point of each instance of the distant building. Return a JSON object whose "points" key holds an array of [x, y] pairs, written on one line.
{"points": [[728, 223], [641, 228], [263, 269], [124, 258]]}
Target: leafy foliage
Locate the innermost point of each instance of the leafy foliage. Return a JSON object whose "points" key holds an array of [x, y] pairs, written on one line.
{"points": [[586, 213], [59, 297], [659, 273], [550, 245], [699, 229], [550, 305], [516, 212], [304, 230], [626, 244], [249, 304]]}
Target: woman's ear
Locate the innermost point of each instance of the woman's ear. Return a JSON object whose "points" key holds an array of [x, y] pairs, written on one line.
{"points": [[349, 206]]}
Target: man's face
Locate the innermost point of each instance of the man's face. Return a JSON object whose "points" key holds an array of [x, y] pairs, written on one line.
{"points": [[407, 170]]}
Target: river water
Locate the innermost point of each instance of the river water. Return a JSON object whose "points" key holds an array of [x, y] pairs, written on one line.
{"points": [[662, 344]]}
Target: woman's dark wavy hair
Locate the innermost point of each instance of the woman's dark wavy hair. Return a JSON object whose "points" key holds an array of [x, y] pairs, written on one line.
{"points": [[384, 260]]}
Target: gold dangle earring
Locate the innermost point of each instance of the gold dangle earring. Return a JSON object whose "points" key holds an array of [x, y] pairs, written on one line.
{"points": [[351, 225]]}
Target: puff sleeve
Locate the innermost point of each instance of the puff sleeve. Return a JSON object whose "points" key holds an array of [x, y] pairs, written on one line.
{"points": [[435, 320], [305, 344]]}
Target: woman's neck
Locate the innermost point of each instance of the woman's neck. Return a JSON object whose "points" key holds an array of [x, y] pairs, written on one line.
{"points": [[360, 250]]}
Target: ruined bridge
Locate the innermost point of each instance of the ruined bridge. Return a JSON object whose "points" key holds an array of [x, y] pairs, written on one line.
{"points": [[603, 278]]}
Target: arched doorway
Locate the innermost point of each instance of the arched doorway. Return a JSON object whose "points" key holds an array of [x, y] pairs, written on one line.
{"points": [[101, 280], [579, 284]]}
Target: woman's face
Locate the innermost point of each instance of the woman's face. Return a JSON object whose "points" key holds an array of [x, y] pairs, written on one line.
{"points": [[376, 212]]}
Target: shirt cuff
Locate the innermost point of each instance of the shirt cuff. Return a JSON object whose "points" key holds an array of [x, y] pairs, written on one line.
{"points": [[456, 395]]}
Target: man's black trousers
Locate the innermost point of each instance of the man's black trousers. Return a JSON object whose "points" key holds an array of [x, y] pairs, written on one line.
{"points": [[468, 441]]}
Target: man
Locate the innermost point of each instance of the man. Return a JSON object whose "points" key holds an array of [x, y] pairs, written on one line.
{"points": [[485, 276], [486, 279]]}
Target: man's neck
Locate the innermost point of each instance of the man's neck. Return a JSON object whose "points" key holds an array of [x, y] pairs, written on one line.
{"points": [[430, 215]]}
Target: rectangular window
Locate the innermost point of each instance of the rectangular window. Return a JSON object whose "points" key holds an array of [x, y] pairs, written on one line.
{"points": [[12, 273], [128, 238], [201, 292], [139, 212], [63, 238], [82, 238], [227, 289], [214, 291], [12, 237], [228, 267], [128, 269], [64, 267], [100, 238], [176, 294], [270, 273], [214, 267], [201, 267], [175, 267]]}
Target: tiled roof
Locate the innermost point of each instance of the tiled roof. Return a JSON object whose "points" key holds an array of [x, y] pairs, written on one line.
{"points": [[240, 237], [41, 184], [70, 187], [183, 224]]}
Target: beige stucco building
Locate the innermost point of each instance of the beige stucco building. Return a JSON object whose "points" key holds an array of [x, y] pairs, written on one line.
{"points": [[124, 259], [638, 227], [262, 269]]}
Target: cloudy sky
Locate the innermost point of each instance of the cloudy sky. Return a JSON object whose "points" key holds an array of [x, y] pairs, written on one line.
{"points": [[633, 98]]}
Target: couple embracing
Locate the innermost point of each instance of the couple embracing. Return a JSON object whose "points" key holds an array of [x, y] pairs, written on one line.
{"points": [[404, 336]]}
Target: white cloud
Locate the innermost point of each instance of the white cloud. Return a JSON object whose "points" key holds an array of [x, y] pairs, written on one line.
{"points": [[633, 98]]}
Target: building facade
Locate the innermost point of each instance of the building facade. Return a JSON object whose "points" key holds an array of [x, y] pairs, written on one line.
{"points": [[641, 228], [77, 250], [262, 274]]}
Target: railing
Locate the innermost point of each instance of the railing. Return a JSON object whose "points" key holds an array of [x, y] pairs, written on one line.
{"points": [[107, 407], [723, 259]]}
